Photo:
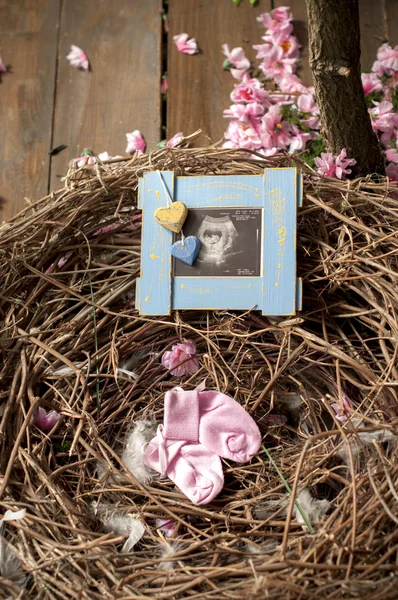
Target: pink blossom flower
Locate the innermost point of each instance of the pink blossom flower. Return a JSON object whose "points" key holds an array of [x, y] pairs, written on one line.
{"points": [[299, 139], [342, 162], [175, 139], [288, 43], [274, 64], [83, 161], [391, 155], [325, 164], [342, 412], [250, 90], [185, 45], [166, 526], [164, 85], [244, 112], [239, 63], [275, 132], [290, 83], [135, 142], [3, 68], [242, 135], [387, 60], [46, 420], [78, 58], [334, 166], [307, 105], [371, 83], [278, 19], [181, 353], [392, 171], [383, 120]]}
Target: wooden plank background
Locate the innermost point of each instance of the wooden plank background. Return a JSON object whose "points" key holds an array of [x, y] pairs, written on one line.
{"points": [[45, 102]]}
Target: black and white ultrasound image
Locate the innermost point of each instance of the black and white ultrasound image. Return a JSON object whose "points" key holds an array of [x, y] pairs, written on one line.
{"points": [[231, 242]]}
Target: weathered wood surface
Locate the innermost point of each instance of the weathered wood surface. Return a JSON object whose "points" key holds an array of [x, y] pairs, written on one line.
{"points": [[96, 109], [28, 42], [45, 102], [199, 89]]}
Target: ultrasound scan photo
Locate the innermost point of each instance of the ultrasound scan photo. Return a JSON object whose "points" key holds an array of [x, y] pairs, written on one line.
{"points": [[231, 242]]}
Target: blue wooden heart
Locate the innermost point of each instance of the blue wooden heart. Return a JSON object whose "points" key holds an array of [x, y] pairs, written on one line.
{"points": [[186, 250]]}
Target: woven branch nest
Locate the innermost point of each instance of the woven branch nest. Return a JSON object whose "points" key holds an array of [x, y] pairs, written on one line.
{"points": [[79, 314]]}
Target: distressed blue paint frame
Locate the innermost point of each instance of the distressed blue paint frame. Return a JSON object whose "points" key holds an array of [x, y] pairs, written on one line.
{"points": [[277, 291]]}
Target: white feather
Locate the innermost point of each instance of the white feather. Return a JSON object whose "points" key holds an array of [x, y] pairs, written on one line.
{"points": [[121, 371], [167, 551], [133, 454], [313, 508], [66, 371], [10, 563], [121, 524]]}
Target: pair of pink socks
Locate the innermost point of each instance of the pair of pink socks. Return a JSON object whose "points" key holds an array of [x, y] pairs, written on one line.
{"points": [[199, 427]]}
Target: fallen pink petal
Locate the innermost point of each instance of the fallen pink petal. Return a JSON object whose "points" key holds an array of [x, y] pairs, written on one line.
{"points": [[181, 359], [78, 58], [135, 142], [175, 140], [45, 420], [166, 526], [185, 45], [3, 68]]}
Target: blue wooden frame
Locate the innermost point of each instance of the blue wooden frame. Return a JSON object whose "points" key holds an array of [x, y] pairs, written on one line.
{"points": [[276, 292]]}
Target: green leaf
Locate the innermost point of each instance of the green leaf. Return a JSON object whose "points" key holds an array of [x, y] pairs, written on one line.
{"points": [[236, 2], [253, 2], [313, 150], [87, 152], [161, 144], [226, 65]]}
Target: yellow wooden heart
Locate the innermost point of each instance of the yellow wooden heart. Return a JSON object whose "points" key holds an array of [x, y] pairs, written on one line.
{"points": [[172, 217]]}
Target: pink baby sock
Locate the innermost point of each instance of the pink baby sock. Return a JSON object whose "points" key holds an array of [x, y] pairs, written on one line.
{"points": [[194, 469], [225, 428]]}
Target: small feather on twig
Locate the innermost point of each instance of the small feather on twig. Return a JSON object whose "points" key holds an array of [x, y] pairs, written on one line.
{"points": [[121, 524], [167, 552], [133, 454], [10, 563]]}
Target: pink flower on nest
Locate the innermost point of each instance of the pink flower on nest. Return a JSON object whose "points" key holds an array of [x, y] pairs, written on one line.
{"points": [[175, 140], [334, 166], [237, 61], [78, 58], [342, 412], [185, 45], [181, 353], [83, 161], [135, 142], [166, 526], [46, 420]]}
